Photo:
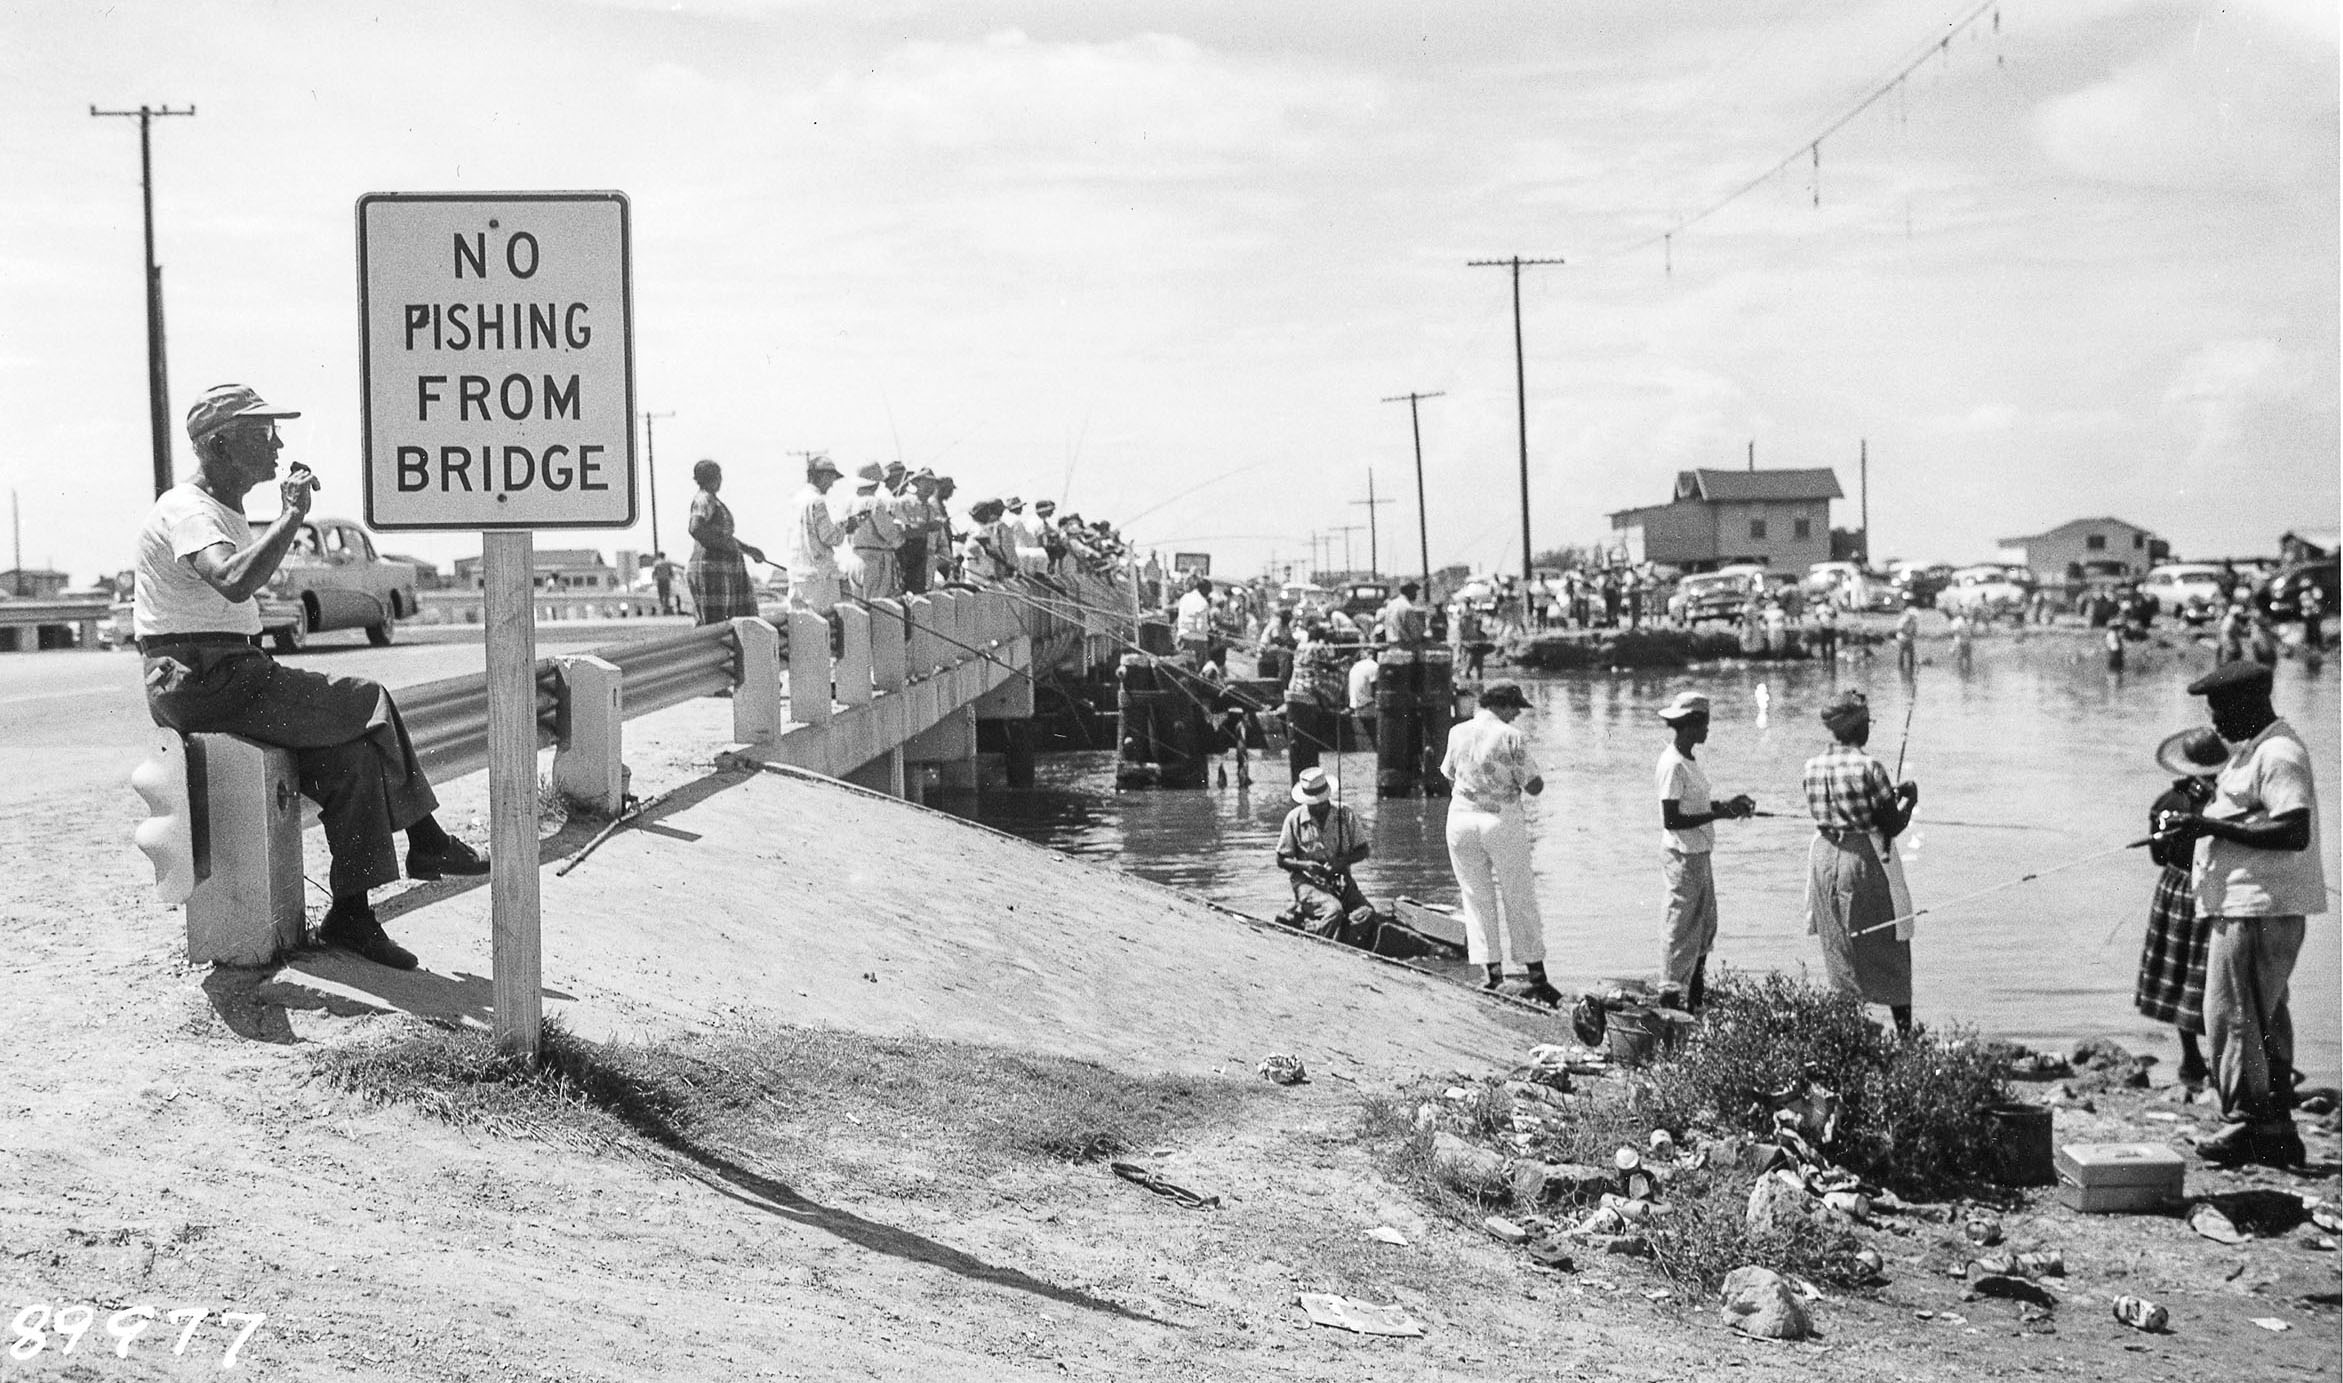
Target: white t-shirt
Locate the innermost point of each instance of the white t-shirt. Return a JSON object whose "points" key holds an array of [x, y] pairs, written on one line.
{"points": [[1682, 782], [1362, 684], [1195, 615], [2267, 776], [170, 598]]}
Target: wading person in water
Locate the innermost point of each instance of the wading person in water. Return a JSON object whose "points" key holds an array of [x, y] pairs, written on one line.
{"points": [[1687, 817], [199, 565], [1490, 769], [1854, 883], [2257, 878]]}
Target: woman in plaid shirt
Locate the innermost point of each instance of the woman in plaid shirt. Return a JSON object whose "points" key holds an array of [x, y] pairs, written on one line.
{"points": [[1857, 813]]}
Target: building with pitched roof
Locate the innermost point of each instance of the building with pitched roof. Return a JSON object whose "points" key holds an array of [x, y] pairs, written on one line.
{"points": [[1779, 519], [2086, 547]]}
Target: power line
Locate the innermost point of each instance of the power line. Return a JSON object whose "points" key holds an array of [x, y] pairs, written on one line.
{"points": [[1423, 525], [1811, 147], [1374, 541]]}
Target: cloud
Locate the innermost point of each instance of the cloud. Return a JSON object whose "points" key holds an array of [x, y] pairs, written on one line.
{"points": [[2230, 386], [1152, 104]]}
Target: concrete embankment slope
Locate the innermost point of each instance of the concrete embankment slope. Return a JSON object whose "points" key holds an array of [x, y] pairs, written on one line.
{"points": [[797, 900]]}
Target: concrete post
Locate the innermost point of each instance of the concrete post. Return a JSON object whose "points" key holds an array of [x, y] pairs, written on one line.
{"points": [[249, 911], [919, 643], [886, 645], [756, 703], [589, 768], [809, 668], [854, 657]]}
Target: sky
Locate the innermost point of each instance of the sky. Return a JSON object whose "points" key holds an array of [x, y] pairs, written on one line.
{"points": [[1166, 261]]}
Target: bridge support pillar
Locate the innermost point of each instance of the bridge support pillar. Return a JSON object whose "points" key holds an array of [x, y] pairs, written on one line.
{"points": [[947, 751], [882, 774]]}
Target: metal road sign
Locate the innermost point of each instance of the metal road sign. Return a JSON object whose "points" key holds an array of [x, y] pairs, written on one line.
{"points": [[496, 347]]}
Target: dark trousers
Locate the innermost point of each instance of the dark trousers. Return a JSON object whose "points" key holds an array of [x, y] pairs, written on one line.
{"points": [[913, 558], [355, 760]]}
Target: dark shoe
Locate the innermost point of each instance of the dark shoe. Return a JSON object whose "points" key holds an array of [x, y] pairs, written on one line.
{"points": [[455, 857], [2194, 1075], [357, 932], [1532, 988]]}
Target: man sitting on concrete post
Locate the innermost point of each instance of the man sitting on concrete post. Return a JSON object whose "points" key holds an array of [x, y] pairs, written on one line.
{"points": [[199, 566]]}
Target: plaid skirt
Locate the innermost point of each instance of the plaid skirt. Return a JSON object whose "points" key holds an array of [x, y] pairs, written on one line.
{"points": [[720, 588], [2172, 959]]}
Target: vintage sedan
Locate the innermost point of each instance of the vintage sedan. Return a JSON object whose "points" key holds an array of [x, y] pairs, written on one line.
{"points": [[333, 579], [2197, 592], [1983, 590]]}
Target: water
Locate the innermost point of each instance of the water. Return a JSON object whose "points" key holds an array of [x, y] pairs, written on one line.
{"points": [[2036, 739]]}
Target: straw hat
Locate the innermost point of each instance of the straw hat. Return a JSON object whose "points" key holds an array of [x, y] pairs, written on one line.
{"points": [[2197, 753], [1313, 787], [1684, 707]]}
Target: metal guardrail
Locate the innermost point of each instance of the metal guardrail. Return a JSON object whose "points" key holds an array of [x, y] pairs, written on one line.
{"points": [[447, 720], [22, 612]]}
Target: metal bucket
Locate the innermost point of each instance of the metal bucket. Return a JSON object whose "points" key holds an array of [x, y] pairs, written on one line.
{"points": [[1631, 1036]]}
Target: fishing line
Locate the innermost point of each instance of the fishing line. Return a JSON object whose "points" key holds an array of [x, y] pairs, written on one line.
{"points": [[2013, 883], [1934, 821]]}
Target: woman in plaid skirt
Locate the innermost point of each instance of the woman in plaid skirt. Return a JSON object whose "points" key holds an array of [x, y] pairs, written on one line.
{"points": [[718, 575], [2172, 958]]}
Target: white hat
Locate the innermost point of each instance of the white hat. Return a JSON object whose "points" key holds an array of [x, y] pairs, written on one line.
{"points": [[1313, 787], [1686, 704]]}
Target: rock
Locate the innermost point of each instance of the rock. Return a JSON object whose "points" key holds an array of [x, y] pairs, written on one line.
{"points": [[1625, 1245], [1761, 1302], [1506, 1230], [1558, 1183], [1853, 1204], [1778, 1204], [2100, 1054], [1553, 1253], [1466, 1161], [2010, 1288], [1763, 1157]]}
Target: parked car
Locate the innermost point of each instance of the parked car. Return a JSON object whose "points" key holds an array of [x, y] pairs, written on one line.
{"points": [[1988, 590], [332, 579], [2191, 590], [2281, 596], [1918, 583], [1364, 597], [1718, 594]]}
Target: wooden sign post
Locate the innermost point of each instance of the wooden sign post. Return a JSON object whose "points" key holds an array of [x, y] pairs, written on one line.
{"points": [[496, 341]]}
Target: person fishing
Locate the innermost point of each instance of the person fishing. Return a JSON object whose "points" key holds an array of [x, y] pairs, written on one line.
{"points": [[1854, 882], [1317, 846], [2171, 986], [1490, 768], [1687, 826]]}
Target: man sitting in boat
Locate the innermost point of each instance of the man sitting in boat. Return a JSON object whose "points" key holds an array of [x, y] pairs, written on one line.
{"points": [[1321, 840]]}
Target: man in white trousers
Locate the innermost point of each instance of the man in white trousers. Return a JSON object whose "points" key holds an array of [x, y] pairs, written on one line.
{"points": [[1489, 769]]}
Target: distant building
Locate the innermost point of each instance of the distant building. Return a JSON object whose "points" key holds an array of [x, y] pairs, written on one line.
{"points": [[32, 583], [2086, 547], [555, 569], [2308, 544], [428, 577], [1779, 519]]}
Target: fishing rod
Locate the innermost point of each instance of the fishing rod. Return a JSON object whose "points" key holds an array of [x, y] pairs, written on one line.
{"points": [[2013, 883], [1938, 821], [1909, 707]]}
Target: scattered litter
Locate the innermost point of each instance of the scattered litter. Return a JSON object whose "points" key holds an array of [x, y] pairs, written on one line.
{"points": [[2210, 1222], [1663, 1143], [1874, 1267], [2327, 1216], [1505, 1229], [2046, 1263], [2163, 1116], [1284, 1068], [2142, 1314], [1456, 1092], [1387, 1235], [1852, 1204], [1139, 1176], [1983, 1230], [2271, 1323], [1661, 1295], [1344, 1313], [1627, 1159]]}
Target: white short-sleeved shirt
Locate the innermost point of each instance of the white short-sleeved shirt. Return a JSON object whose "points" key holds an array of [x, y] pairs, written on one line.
{"points": [[1488, 762], [2267, 776], [1681, 781], [170, 597], [1193, 616], [1362, 684]]}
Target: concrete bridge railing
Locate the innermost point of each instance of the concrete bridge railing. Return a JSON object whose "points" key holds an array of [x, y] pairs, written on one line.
{"points": [[906, 686]]}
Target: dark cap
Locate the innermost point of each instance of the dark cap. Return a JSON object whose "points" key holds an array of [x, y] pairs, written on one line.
{"points": [[1504, 694], [2233, 679]]}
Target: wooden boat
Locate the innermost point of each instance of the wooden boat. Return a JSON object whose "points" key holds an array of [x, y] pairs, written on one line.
{"points": [[1442, 924]]}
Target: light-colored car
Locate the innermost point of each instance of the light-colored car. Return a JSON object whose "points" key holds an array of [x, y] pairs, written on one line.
{"points": [[1718, 594], [2196, 592], [333, 579], [1988, 589]]}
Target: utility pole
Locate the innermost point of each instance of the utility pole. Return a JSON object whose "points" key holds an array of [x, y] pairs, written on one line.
{"points": [[1863, 469], [1423, 526], [1520, 386], [1753, 453], [1374, 542], [16, 521], [158, 382], [651, 467], [1345, 530]]}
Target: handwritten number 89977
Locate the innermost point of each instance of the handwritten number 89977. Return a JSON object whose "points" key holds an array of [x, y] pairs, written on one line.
{"points": [[39, 1325]]}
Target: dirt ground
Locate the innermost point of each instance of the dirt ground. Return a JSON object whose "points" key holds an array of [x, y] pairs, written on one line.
{"points": [[162, 1144]]}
